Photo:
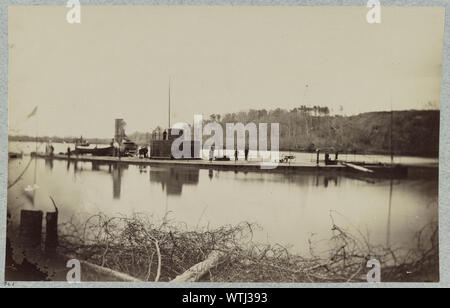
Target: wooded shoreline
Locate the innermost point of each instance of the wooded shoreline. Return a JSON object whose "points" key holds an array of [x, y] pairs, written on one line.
{"points": [[414, 132]]}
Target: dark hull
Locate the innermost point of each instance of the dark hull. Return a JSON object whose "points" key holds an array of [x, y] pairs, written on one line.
{"points": [[108, 151]]}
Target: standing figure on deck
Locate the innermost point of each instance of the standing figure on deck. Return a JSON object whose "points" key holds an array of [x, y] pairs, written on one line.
{"points": [[68, 152], [211, 154], [143, 152], [165, 135], [236, 154]]}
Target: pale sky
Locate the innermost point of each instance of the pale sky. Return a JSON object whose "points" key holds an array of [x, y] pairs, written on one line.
{"points": [[118, 61]]}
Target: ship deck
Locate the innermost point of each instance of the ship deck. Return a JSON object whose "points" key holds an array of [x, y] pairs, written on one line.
{"points": [[240, 165]]}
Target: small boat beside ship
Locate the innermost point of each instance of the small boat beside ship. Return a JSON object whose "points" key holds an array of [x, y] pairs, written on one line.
{"points": [[94, 150], [82, 147], [125, 148]]}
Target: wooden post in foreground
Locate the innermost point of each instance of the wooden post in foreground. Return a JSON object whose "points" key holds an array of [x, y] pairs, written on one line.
{"points": [[51, 234], [31, 228]]}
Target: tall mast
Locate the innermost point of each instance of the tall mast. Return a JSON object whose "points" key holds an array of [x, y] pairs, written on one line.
{"points": [[35, 161], [169, 101], [392, 133]]}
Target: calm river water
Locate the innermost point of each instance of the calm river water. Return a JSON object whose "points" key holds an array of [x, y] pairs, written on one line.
{"points": [[288, 208]]}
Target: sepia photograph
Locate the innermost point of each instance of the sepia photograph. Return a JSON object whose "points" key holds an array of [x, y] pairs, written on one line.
{"points": [[223, 144]]}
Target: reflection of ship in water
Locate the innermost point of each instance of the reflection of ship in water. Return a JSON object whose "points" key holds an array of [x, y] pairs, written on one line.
{"points": [[115, 169], [330, 179], [172, 179], [49, 164]]}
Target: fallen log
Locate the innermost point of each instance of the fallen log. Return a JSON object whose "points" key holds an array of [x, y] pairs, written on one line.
{"points": [[106, 274], [92, 272], [201, 269]]}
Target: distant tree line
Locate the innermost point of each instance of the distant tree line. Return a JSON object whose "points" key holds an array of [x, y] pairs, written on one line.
{"points": [[414, 132], [55, 139], [309, 128]]}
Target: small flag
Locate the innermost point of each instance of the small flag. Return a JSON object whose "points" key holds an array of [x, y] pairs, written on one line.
{"points": [[33, 112]]}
